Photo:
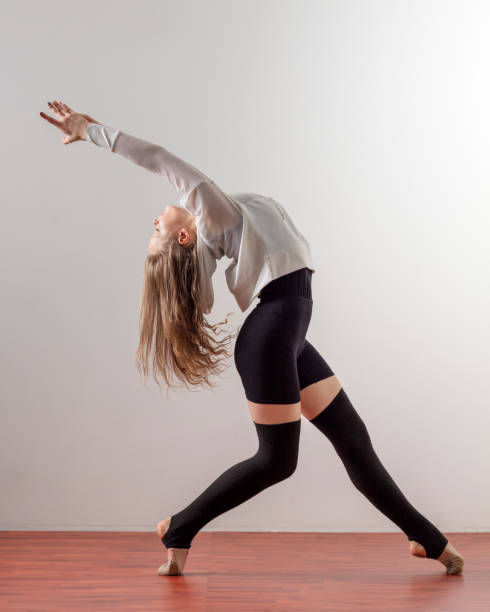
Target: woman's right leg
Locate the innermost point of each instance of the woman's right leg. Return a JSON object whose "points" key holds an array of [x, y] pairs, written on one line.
{"points": [[275, 460], [336, 418], [265, 357]]}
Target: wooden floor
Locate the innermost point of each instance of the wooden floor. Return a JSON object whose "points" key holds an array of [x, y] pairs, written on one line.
{"points": [[97, 571]]}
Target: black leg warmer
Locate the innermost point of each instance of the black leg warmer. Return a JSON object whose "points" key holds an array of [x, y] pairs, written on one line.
{"points": [[342, 425], [275, 460]]}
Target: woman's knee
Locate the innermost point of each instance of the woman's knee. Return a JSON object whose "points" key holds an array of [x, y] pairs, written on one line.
{"points": [[279, 467], [277, 455]]}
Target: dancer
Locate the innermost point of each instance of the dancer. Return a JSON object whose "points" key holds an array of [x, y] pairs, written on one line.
{"points": [[282, 373]]}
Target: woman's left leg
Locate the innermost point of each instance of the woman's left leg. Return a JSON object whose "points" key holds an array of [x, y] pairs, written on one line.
{"points": [[342, 425], [326, 405]]}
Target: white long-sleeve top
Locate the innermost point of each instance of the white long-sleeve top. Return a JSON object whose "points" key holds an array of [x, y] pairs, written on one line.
{"points": [[252, 230]]}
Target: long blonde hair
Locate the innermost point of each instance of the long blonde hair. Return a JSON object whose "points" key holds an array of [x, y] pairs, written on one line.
{"points": [[171, 321]]}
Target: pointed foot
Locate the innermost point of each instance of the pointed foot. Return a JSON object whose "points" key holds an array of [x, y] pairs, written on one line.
{"points": [[452, 559], [449, 557]]}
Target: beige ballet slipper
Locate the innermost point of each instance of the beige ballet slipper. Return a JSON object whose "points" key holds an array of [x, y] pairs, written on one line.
{"points": [[177, 557]]}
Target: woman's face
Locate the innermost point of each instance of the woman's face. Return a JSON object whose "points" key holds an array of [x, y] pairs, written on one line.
{"points": [[172, 219]]}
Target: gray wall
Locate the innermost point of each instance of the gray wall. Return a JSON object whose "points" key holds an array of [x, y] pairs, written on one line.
{"points": [[370, 122]]}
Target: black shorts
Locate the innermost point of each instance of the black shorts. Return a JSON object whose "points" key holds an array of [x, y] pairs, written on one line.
{"points": [[272, 356]]}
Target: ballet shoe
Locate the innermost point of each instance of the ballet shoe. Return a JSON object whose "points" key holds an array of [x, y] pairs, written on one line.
{"points": [[449, 557], [177, 557]]}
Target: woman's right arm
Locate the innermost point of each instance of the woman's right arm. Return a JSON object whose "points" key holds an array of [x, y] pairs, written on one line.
{"points": [[153, 157], [199, 194]]}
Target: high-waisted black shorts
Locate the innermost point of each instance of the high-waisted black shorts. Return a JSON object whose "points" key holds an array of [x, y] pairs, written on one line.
{"points": [[272, 356]]}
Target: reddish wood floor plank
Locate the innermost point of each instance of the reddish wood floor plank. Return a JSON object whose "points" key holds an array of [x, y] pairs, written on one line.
{"points": [[97, 571]]}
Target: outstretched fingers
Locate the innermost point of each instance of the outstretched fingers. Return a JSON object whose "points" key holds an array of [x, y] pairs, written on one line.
{"points": [[58, 108], [68, 121], [65, 107]]}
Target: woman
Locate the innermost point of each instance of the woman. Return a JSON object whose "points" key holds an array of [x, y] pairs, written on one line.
{"points": [[282, 373]]}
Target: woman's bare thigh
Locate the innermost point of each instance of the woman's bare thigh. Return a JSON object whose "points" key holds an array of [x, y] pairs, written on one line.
{"points": [[318, 395], [270, 414]]}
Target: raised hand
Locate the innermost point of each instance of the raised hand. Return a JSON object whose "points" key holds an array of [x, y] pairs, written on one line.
{"points": [[73, 124]]}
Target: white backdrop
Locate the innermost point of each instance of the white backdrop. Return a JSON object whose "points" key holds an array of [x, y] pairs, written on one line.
{"points": [[370, 122]]}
